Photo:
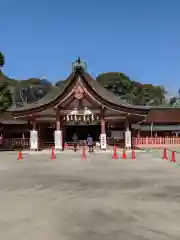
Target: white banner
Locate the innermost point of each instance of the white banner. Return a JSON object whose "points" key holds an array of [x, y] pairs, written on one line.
{"points": [[128, 139], [103, 141], [58, 140], [33, 140]]}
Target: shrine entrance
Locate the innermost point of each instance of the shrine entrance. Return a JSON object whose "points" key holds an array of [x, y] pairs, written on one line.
{"points": [[46, 134], [81, 123], [82, 132]]}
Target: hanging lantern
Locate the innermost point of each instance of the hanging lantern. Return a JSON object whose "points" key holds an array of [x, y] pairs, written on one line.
{"points": [[68, 118], [92, 118], [84, 118]]}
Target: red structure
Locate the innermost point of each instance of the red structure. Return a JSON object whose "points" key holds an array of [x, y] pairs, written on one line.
{"points": [[82, 106]]}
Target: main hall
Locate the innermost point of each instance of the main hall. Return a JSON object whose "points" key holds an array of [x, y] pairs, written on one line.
{"points": [[83, 106]]}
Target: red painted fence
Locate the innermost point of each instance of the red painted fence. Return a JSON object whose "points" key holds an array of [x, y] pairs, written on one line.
{"points": [[137, 142], [156, 142]]}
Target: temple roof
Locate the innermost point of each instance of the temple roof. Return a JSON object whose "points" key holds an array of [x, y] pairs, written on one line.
{"points": [[103, 94]]}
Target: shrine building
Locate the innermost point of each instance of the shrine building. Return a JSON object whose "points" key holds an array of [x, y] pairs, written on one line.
{"points": [[82, 106]]}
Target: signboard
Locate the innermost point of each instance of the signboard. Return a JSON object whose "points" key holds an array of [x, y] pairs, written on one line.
{"points": [[33, 140], [119, 135], [103, 141], [58, 140], [128, 139]]}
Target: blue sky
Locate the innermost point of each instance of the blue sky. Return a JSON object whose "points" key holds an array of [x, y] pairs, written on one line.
{"points": [[140, 38]]}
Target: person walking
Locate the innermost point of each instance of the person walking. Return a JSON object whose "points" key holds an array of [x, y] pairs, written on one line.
{"points": [[75, 141], [90, 143]]}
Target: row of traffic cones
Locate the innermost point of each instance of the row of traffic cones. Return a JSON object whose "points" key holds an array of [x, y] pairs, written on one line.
{"points": [[165, 156], [53, 155], [123, 156]]}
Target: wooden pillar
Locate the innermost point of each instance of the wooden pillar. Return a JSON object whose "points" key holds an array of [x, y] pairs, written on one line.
{"points": [[58, 121], [103, 129], [138, 134], [127, 125], [103, 141], [39, 137], [34, 124], [103, 123]]}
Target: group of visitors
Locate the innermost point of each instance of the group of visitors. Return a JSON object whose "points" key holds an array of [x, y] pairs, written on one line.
{"points": [[89, 142]]}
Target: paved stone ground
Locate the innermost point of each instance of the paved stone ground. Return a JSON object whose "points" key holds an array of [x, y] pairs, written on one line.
{"points": [[101, 198]]}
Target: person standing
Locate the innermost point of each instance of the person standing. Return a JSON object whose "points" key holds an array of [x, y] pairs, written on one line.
{"points": [[90, 143], [75, 141]]}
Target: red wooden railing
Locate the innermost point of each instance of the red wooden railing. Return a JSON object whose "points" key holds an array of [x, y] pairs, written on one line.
{"points": [[139, 142], [155, 141], [70, 145], [24, 142], [14, 143]]}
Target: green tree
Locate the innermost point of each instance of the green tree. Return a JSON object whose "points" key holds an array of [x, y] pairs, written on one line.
{"points": [[31, 90], [1, 60], [116, 82], [175, 100], [172, 101], [5, 96], [132, 91], [5, 93]]}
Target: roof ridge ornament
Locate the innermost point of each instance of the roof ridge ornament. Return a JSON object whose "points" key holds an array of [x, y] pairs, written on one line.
{"points": [[79, 65]]}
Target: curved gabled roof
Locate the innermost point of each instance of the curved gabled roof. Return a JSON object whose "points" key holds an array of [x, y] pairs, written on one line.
{"points": [[109, 96], [104, 96]]}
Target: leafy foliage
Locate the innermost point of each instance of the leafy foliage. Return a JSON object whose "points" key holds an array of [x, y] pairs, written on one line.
{"points": [[175, 100], [132, 91], [5, 96], [26, 91], [31, 90], [1, 59]]}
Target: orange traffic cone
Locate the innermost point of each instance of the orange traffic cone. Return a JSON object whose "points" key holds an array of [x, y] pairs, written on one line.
{"points": [[133, 157], [83, 153], [114, 156], [165, 154], [124, 154], [53, 154], [20, 156], [173, 159]]}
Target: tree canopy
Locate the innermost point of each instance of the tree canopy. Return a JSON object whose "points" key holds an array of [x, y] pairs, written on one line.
{"points": [[33, 89], [132, 91], [22, 91], [174, 101], [26, 91], [5, 96], [1, 59]]}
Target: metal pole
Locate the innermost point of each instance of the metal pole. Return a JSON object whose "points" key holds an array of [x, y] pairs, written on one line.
{"points": [[151, 128]]}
